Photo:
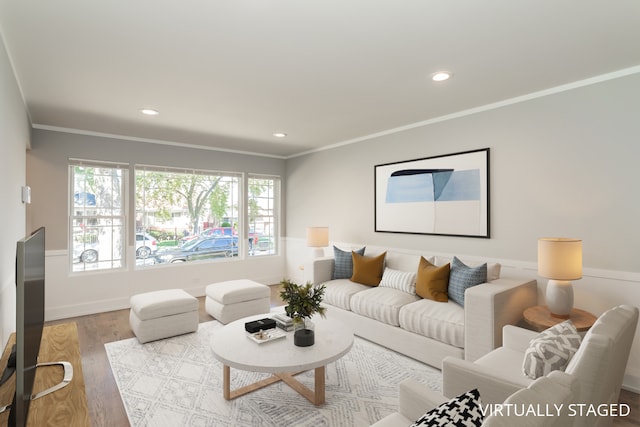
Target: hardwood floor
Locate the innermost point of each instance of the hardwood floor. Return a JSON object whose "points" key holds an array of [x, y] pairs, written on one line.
{"points": [[105, 406]]}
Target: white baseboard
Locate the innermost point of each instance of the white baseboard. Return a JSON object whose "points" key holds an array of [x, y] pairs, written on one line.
{"points": [[631, 383], [94, 307]]}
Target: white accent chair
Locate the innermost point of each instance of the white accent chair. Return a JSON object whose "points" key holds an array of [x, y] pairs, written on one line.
{"points": [[557, 388], [598, 365]]}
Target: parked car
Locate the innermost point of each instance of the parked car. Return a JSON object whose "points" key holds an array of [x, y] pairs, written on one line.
{"points": [[213, 247], [146, 245], [265, 243], [87, 252], [209, 232]]}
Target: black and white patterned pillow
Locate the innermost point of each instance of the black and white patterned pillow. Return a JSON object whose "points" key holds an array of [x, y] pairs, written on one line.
{"points": [[464, 411], [463, 277], [343, 263], [551, 350]]}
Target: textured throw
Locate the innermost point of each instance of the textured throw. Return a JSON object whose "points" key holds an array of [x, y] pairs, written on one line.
{"points": [[178, 382]]}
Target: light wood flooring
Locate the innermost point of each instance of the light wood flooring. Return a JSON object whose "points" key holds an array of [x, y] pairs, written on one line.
{"points": [[105, 406]]}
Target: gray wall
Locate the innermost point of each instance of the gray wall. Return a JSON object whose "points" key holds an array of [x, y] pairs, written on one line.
{"points": [[561, 165], [70, 295], [14, 140]]}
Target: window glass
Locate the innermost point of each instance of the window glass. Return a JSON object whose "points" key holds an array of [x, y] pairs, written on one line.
{"points": [[262, 206], [97, 220], [186, 211]]}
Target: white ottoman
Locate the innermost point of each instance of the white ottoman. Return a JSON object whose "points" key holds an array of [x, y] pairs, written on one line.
{"points": [[235, 299], [163, 314]]}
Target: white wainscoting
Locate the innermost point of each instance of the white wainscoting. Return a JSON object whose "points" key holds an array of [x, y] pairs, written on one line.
{"points": [[77, 294]]}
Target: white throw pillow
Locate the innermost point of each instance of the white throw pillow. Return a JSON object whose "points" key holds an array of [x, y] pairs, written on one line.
{"points": [[551, 350], [402, 280]]}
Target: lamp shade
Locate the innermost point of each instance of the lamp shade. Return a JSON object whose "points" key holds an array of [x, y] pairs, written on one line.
{"points": [[560, 258], [317, 237]]}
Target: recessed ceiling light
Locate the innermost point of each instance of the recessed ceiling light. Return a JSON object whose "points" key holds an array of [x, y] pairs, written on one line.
{"points": [[279, 134], [441, 76], [149, 112]]}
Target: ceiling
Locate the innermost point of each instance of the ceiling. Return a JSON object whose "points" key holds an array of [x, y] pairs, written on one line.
{"points": [[228, 74]]}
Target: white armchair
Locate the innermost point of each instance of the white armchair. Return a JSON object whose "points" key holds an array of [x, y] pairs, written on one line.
{"points": [[557, 388], [598, 365]]}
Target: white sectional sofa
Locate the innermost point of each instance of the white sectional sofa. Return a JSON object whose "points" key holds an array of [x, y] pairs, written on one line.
{"points": [[424, 329]]}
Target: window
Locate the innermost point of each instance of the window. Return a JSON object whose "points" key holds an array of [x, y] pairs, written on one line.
{"points": [[262, 207], [180, 215], [180, 207], [97, 215]]}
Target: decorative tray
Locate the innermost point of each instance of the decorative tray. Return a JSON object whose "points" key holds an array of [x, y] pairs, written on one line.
{"points": [[268, 335]]}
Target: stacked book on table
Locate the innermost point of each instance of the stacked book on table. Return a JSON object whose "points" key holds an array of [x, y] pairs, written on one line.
{"points": [[283, 321]]}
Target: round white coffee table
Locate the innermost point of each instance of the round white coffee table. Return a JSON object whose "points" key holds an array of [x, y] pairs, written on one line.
{"points": [[281, 357]]}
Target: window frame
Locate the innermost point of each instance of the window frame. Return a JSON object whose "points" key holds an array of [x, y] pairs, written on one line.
{"points": [[276, 210], [122, 217], [239, 208], [127, 214]]}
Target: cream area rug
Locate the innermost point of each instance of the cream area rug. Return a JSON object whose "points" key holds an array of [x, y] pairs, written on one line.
{"points": [[178, 382]]}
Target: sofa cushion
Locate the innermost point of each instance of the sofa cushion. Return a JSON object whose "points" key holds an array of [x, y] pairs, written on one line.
{"points": [[432, 282], [339, 292], [404, 281], [381, 304], [343, 263], [404, 261], [493, 268], [551, 350], [507, 363], [464, 410], [367, 270], [463, 277], [442, 321]]}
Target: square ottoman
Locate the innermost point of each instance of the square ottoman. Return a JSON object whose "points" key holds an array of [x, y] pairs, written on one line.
{"points": [[163, 314], [235, 299]]}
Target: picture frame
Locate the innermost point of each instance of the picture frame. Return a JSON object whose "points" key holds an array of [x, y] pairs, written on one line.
{"points": [[446, 195]]}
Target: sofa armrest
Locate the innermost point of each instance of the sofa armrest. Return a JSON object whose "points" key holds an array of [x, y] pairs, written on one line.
{"points": [[416, 399], [517, 338], [458, 376], [319, 270], [489, 307]]}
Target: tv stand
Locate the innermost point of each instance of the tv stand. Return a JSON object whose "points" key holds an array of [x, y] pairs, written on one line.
{"points": [[66, 378], [68, 406]]}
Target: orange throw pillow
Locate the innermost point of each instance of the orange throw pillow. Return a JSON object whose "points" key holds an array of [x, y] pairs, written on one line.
{"points": [[432, 282], [367, 270]]}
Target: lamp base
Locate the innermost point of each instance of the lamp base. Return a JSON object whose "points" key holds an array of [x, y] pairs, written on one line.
{"points": [[559, 296], [317, 252]]}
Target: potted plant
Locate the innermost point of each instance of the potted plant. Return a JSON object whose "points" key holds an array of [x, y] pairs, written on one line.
{"points": [[303, 301]]}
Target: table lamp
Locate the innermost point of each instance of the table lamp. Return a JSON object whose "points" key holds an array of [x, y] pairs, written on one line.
{"points": [[560, 260], [318, 238]]}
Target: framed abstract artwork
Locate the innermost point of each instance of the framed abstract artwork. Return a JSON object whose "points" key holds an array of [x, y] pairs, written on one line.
{"points": [[445, 195]]}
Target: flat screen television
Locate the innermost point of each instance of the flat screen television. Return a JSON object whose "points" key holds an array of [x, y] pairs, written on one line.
{"points": [[29, 318], [30, 296]]}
